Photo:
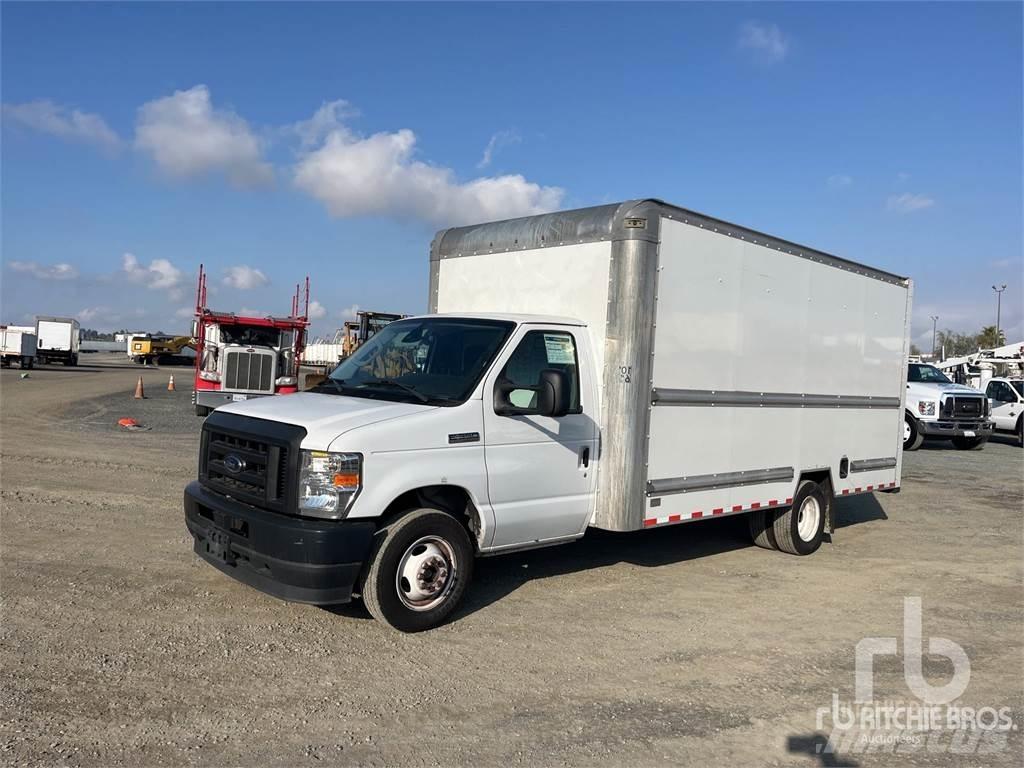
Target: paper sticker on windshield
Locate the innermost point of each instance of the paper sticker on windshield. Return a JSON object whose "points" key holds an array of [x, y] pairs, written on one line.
{"points": [[559, 350]]}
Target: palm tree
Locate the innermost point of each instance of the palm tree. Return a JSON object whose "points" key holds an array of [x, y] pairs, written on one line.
{"points": [[989, 338]]}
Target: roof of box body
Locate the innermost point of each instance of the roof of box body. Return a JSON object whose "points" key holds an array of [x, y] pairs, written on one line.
{"points": [[629, 220]]}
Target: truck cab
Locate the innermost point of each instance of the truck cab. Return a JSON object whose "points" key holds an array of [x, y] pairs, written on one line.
{"points": [[1006, 402], [938, 409], [400, 427]]}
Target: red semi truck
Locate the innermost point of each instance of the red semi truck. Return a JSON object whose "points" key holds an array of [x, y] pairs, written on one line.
{"points": [[242, 357]]}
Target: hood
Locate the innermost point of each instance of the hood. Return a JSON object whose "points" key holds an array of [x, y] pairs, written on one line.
{"points": [[325, 417], [955, 389]]}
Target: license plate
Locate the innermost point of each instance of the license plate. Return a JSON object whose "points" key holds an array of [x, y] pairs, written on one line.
{"points": [[218, 545], [968, 433], [239, 398]]}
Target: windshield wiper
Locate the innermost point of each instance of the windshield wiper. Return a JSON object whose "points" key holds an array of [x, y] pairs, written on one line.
{"points": [[393, 383]]}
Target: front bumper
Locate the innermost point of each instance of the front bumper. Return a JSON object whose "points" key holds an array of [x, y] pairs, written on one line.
{"points": [[303, 561], [214, 398], [945, 430]]}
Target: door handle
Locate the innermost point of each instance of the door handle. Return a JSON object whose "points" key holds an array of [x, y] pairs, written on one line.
{"points": [[585, 456]]}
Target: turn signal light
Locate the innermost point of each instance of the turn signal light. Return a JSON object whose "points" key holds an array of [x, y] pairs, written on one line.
{"points": [[345, 481]]}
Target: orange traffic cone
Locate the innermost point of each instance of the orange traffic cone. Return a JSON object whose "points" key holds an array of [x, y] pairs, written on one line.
{"points": [[139, 393], [170, 384]]}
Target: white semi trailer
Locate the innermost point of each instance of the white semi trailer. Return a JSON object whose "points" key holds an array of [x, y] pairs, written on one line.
{"points": [[621, 367], [58, 340]]}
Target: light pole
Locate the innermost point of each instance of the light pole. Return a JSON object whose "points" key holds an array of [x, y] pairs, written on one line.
{"points": [[999, 307], [935, 321]]}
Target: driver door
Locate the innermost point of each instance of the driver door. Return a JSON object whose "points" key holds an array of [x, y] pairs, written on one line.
{"points": [[541, 470]]}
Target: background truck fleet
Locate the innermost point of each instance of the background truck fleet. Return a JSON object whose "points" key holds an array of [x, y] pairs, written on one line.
{"points": [[658, 367]]}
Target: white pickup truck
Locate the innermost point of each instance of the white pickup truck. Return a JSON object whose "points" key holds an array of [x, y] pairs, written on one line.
{"points": [[1006, 401], [623, 367], [938, 409]]}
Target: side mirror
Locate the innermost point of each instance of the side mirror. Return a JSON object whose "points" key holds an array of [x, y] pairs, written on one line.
{"points": [[549, 398]]}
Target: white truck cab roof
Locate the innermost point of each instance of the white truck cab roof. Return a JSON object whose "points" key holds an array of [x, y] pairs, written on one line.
{"points": [[518, 318]]}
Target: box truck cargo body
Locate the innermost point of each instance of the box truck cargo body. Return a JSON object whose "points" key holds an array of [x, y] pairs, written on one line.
{"points": [[623, 367], [730, 362], [17, 345], [58, 339]]}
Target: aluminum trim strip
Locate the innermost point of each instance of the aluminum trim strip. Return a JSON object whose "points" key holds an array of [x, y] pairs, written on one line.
{"points": [[667, 485], [867, 465], [702, 397]]}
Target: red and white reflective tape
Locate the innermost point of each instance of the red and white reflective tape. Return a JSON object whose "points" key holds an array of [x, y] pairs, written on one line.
{"points": [[868, 488], [738, 508], [717, 511]]}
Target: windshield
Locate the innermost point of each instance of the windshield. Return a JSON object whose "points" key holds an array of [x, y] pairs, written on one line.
{"points": [[436, 361], [1018, 385], [926, 374], [250, 335]]}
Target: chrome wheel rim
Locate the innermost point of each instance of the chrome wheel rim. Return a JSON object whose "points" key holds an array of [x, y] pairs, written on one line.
{"points": [[807, 519], [426, 573]]}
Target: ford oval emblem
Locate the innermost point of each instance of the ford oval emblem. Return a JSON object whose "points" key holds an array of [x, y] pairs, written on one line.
{"points": [[234, 463]]}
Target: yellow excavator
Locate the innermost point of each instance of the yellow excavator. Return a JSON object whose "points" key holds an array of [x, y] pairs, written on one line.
{"points": [[149, 349]]}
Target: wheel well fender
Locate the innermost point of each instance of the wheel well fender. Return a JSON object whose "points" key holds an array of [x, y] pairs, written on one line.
{"points": [[453, 499]]}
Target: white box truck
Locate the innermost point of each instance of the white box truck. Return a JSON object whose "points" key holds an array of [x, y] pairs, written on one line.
{"points": [[17, 345], [622, 367], [58, 340]]}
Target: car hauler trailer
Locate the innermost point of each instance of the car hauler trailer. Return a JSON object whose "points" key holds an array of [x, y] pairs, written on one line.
{"points": [[624, 367], [58, 339]]}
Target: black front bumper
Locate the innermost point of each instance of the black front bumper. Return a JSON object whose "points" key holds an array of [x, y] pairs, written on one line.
{"points": [[301, 560], [946, 430]]}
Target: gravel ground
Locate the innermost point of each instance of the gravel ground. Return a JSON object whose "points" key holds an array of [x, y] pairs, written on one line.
{"points": [[677, 646]]}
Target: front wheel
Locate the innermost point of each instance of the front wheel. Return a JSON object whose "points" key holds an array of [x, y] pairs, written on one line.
{"points": [[419, 570], [969, 443], [912, 437]]}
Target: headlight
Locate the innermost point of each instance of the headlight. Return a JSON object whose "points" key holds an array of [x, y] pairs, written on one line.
{"points": [[926, 407], [328, 483]]}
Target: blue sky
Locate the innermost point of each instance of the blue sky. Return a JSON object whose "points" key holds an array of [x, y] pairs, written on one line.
{"points": [[269, 141]]}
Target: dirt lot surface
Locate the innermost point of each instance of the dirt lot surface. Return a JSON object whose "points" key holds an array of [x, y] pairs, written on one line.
{"points": [[678, 646]]}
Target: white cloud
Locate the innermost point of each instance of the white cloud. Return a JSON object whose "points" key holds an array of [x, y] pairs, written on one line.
{"points": [[244, 278], [45, 116], [839, 180], [317, 311], [908, 203], [160, 275], [765, 40], [60, 271], [326, 119], [89, 314], [188, 137], [498, 140], [249, 312], [185, 312], [378, 175], [349, 313]]}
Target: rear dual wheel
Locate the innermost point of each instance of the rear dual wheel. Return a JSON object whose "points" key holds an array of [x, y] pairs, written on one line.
{"points": [[799, 529]]}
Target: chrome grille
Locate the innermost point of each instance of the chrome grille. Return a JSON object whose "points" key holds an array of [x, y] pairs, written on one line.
{"points": [[248, 371]]}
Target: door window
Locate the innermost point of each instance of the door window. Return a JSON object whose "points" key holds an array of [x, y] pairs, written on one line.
{"points": [[539, 351]]}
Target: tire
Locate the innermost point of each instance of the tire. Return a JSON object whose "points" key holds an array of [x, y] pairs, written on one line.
{"points": [[761, 530], [969, 443], [202, 410], [800, 529], [912, 437], [1020, 431], [418, 543]]}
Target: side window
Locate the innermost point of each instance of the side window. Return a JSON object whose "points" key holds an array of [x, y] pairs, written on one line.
{"points": [[992, 390], [539, 351]]}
